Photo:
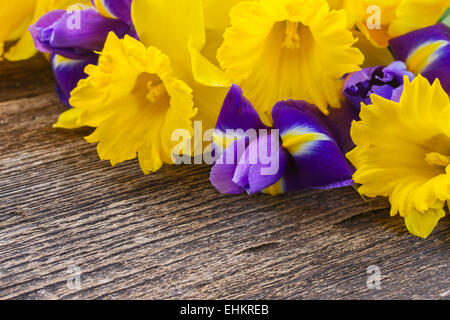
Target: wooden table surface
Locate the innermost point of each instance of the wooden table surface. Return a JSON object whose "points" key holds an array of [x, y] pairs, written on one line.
{"points": [[171, 235]]}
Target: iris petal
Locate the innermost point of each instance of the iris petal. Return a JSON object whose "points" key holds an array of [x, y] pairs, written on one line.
{"points": [[222, 173], [119, 9], [51, 33], [238, 113], [426, 52], [319, 161], [323, 166], [382, 81], [68, 73], [262, 165], [288, 116], [302, 150], [262, 176]]}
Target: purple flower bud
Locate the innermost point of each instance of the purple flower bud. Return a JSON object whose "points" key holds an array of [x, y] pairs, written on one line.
{"points": [[386, 82]]}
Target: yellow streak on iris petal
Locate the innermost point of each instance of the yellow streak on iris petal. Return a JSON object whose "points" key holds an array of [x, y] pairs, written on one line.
{"points": [[275, 189], [134, 102], [103, 10], [297, 143], [296, 49], [222, 140], [402, 151], [424, 56]]}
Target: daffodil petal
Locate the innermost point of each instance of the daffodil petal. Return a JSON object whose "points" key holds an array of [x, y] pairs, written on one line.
{"points": [[68, 119], [170, 26], [22, 50], [375, 56], [15, 17], [422, 224], [205, 72], [412, 15], [217, 13]]}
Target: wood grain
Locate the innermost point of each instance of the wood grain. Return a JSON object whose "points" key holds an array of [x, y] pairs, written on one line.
{"points": [[170, 235]]}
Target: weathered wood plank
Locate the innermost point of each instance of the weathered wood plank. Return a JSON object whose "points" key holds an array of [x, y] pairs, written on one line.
{"points": [[171, 235], [25, 79]]}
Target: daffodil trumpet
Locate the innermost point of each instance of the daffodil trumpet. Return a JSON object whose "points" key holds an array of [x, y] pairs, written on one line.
{"points": [[289, 49]]}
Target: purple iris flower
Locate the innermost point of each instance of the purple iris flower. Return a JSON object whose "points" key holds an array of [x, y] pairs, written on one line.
{"points": [[425, 51], [74, 37], [386, 82], [303, 149]]}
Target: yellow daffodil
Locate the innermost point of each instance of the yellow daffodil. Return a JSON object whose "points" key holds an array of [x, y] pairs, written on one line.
{"points": [[141, 92], [16, 17], [403, 151], [396, 17], [288, 49], [134, 101]]}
